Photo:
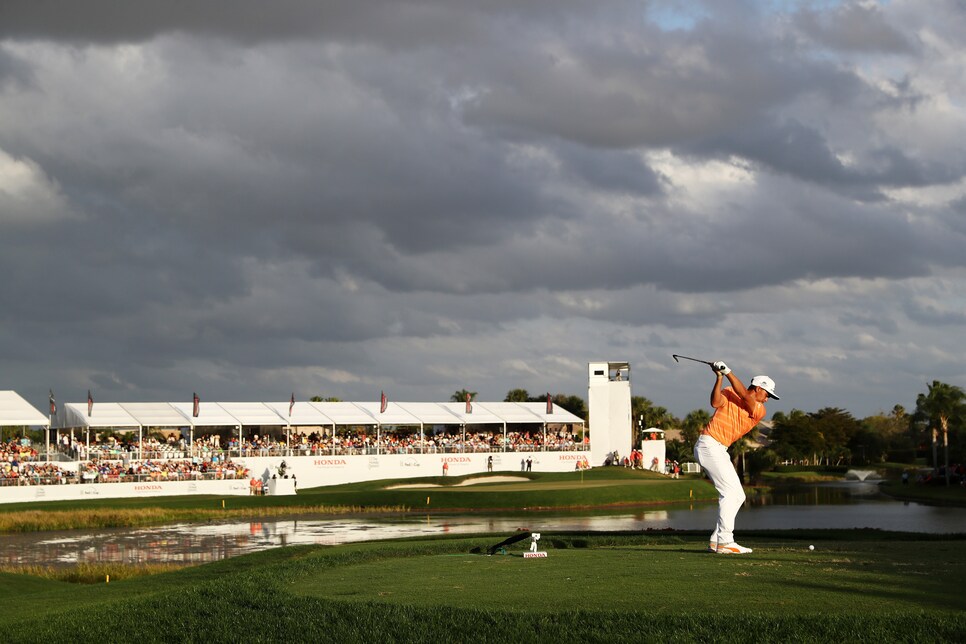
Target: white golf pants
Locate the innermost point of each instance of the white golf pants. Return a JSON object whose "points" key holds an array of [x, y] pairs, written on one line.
{"points": [[713, 457]]}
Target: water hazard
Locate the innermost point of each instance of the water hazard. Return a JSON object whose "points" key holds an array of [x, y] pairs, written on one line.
{"points": [[847, 505]]}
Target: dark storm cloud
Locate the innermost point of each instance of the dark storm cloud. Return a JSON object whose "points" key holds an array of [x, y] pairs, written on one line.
{"points": [[853, 26], [14, 72], [396, 23], [802, 151]]}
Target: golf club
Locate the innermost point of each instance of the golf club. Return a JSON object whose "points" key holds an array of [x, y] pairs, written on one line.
{"points": [[678, 358]]}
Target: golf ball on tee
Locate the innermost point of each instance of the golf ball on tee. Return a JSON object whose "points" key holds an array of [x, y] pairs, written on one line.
{"points": [[811, 547]]}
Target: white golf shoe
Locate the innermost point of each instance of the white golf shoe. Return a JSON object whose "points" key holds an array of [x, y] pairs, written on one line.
{"points": [[732, 549]]}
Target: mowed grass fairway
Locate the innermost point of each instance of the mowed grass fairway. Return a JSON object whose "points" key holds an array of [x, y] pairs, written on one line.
{"points": [[859, 586]]}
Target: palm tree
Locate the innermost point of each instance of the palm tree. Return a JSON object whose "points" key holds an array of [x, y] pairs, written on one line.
{"points": [[935, 409], [460, 396]]}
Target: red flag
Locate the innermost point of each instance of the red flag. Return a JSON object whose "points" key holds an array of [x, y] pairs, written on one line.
{"points": [[53, 404], [549, 404], [196, 409], [469, 405], [90, 403], [291, 404], [383, 404]]}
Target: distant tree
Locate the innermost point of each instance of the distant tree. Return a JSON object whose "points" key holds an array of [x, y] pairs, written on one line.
{"points": [[645, 414], [460, 396], [939, 417], [837, 427], [870, 444], [758, 461], [884, 437], [691, 427], [574, 404], [321, 399], [794, 437], [517, 395]]}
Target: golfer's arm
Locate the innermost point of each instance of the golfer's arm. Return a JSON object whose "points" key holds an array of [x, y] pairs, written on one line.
{"points": [[717, 400]]}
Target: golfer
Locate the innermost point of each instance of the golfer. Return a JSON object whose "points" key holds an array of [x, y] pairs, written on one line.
{"points": [[736, 411]]}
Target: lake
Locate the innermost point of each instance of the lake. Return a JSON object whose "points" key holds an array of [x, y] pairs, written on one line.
{"points": [[834, 505]]}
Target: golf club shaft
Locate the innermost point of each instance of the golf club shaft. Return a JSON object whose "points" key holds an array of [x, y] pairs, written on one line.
{"points": [[677, 357]]}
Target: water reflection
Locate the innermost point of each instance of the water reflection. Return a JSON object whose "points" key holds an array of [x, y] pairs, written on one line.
{"points": [[854, 505]]}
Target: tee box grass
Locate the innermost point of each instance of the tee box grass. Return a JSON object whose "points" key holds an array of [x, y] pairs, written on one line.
{"points": [[861, 587]]}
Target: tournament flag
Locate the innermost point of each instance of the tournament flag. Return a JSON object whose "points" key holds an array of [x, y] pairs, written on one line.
{"points": [[469, 405], [383, 404], [53, 404], [291, 404], [197, 406], [549, 404], [90, 403]]}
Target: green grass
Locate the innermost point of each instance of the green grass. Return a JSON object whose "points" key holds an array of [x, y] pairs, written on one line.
{"points": [[862, 586], [600, 487]]}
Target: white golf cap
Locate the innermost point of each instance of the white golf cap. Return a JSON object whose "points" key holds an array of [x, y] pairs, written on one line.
{"points": [[766, 383]]}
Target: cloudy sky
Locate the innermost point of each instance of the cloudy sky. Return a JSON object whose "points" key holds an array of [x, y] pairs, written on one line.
{"points": [[420, 196]]}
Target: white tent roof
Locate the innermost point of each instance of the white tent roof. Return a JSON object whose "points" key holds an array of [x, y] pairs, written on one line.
{"points": [[539, 409], [304, 414], [345, 413], [209, 415], [253, 413], [154, 414], [431, 413], [104, 414], [14, 410], [514, 412], [480, 415], [246, 414], [394, 414]]}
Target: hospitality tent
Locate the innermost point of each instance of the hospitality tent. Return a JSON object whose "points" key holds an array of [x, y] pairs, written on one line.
{"points": [[239, 415], [17, 412]]}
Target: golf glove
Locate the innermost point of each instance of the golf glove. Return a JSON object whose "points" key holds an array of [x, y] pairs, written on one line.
{"points": [[720, 367]]}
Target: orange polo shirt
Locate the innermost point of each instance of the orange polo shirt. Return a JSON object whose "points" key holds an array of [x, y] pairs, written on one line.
{"points": [[732, 421]]}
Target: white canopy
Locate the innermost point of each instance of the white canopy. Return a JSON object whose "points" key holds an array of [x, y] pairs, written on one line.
{"points": [[253, 413], [479, 415], [304, 414], [431, 413], [539, 409], [154, 414], [394, 414], [105, 414], [515, 412], [346, 413], [209, 415], [14, 410], [310, 414]]}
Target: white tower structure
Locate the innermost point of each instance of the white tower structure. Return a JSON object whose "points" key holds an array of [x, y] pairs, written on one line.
{"points": [[609, 410]]}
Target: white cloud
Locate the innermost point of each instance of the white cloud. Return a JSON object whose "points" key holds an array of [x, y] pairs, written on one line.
{"points": [[27, 195]]}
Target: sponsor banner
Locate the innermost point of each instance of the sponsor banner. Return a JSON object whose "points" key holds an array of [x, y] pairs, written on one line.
{"points": [[26, 493], [333, 461]]}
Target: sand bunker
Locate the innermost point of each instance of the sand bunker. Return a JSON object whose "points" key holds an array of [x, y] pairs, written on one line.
{"points": [[493, 479], [473, 481]]}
